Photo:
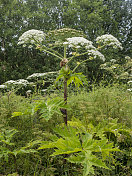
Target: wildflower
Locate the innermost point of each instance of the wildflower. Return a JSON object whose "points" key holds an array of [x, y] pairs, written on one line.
{"points": [[127, 58], [113, 67], [28, 91], [31, 37], [129, 82], [109, 40], [43, 90], [65, 43], [113, 60], [130, 90]]}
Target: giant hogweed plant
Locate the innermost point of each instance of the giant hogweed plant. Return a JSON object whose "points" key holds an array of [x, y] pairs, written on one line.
{"points": [[86, 146], [74, 44]]}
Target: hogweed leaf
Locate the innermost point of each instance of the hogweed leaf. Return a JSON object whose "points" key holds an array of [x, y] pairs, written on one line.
{"points": [[78, 79], [46, 145]]}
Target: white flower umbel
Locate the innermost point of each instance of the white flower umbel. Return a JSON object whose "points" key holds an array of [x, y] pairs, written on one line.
{"points": [[3, 86], [31, 37], [109, 40], [10, 82], [77, 42], [37, 75], [17, 82], [22, 81], [95, 54]]}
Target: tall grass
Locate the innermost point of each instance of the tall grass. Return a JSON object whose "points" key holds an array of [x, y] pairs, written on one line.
{"points": [[101, 103]]}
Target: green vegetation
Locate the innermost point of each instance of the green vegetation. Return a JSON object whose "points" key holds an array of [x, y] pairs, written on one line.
{"points": [[96, 140], [65, 88]]}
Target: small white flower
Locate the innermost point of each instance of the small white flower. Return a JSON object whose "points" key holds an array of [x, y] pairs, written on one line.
{"points": [[77, 47], [43, 90], [113, 67], [30, 46], [88, 47], [65, 43], [113, 60], [127, 57], [28, 91], [129, 90]]}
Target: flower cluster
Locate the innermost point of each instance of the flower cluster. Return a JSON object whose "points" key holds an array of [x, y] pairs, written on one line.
{"points": [[31, 37], [3, 86], [17, 82], [109, 40], [113, 61], [96, 54], [77, 42], [38, 75], [129, 90], [129, 82]]}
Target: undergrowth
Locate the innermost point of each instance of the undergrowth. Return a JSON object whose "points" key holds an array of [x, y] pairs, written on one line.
{"points": [[101, 117]]}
